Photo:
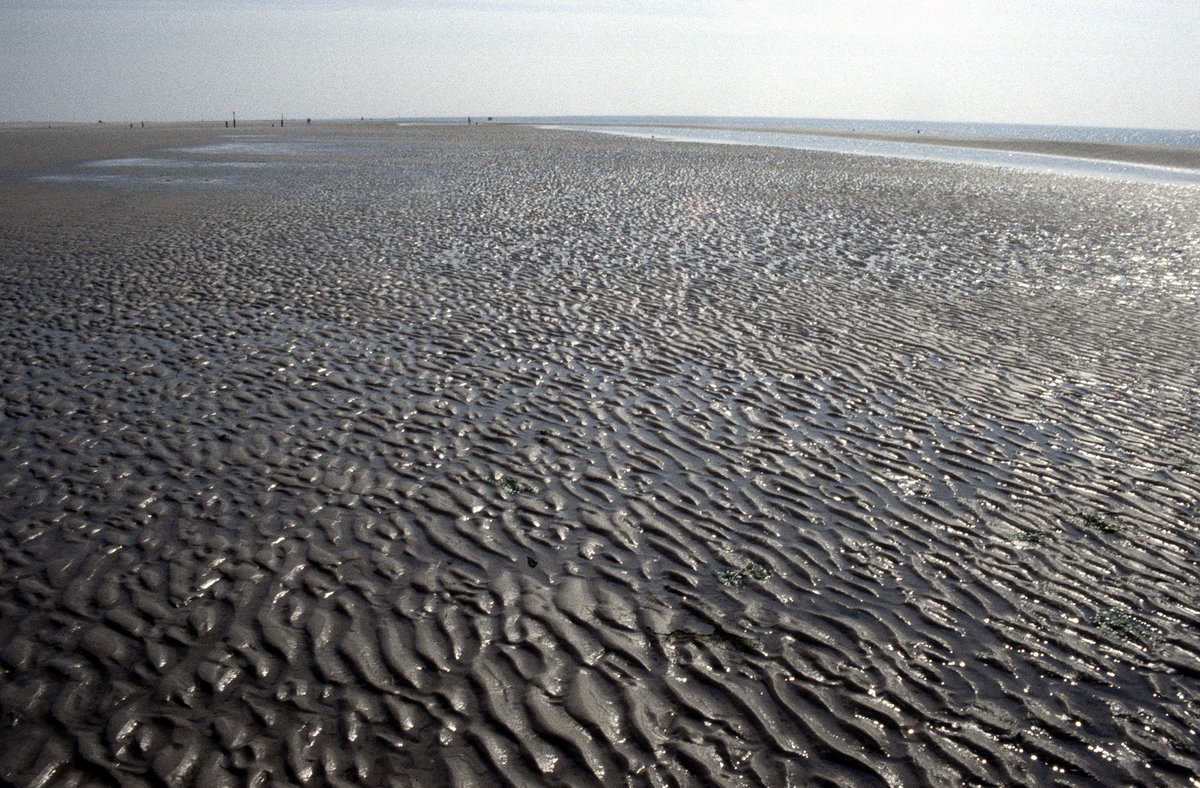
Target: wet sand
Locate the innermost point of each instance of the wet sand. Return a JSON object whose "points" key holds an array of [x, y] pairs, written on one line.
{"points": [[445, 456]]}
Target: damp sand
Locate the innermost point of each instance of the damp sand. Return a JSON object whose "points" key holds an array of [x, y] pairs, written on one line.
{"points": [[501, 456]]}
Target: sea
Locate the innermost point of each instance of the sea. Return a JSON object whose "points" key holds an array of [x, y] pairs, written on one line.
{"points": [[785, 133], [1117, 135]]}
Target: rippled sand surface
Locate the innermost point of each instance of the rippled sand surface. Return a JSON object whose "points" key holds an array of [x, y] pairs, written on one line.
{"points": [[448, 456]]}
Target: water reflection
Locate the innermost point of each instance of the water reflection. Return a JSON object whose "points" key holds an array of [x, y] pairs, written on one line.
{"points": [[1067, 165]]}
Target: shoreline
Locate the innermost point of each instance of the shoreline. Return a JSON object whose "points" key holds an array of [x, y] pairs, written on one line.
{"points": [[1154, 155], [1175, 157]]}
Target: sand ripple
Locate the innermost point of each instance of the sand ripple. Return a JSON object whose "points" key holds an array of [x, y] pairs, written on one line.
{"points": [[502, 455]]}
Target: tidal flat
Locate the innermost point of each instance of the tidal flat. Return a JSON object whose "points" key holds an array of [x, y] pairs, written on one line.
{"points": [[369, 454]]}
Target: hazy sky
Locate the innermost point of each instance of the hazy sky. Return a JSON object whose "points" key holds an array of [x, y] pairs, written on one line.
{"points": [[1089, 62]]}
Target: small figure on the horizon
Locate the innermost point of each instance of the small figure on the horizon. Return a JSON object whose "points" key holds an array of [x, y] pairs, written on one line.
{"points": [[309, 121], [468, 120]]}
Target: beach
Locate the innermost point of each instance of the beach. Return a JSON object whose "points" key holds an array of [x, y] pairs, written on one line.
{"points": [[368, 454]]}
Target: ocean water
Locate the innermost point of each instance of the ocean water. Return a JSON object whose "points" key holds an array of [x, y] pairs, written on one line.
{"points": [[787, 133], [1118, 135]]}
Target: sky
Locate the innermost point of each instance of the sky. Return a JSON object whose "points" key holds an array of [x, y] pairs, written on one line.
{"points": [[1077, 62]]}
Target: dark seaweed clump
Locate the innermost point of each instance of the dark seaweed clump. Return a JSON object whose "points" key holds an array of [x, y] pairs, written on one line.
{"points": [[1096, 522], [507, 486], [738, 578], [1126, 626]]}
